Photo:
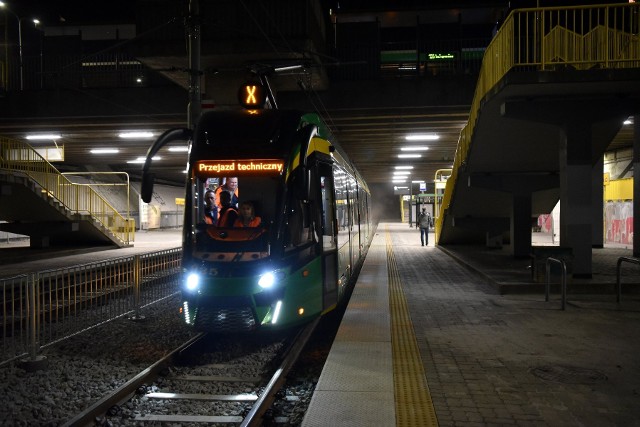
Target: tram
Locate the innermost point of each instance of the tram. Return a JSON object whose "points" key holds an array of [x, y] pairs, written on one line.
{"points": [[313, 228]]}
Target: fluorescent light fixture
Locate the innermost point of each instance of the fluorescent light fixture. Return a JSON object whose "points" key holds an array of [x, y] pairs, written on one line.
{"points": [[105, 151], [398, 181], [404, 167], [409, 156], [422, 137], [417, 182], [43, 136], [415, 148], [179, 149], [142, 159], [627, 122], [402, 187], [399, 173], [288, 68], [136, 135]]}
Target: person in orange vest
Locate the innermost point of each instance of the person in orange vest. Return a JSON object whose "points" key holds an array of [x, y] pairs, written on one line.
{"points": [[228, 213], [247, 216], [230, 185]]}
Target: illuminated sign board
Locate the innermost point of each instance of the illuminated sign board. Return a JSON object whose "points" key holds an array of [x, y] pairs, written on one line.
{"points": [[252, 95], [239, 167], [440, 56]]}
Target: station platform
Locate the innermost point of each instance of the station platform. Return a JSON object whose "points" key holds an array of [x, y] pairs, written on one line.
{"points": [[16, 257], [461, 336]]}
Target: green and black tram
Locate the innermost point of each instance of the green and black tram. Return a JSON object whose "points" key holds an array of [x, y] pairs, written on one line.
{"points": [[314, 224]]}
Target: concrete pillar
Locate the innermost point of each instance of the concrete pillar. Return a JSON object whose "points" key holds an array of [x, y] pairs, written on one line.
{"points": [[38, 242], [636, 183], [576, 195], [521, 225], [597, 193]]}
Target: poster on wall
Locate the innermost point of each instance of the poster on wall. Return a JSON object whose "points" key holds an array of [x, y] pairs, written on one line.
{"points": [[153, 217], [619, 222]]}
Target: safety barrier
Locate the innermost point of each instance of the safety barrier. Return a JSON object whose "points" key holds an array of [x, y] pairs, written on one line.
{"points": [[43, 308], [581, 37], [19, 157], [619, 273]]}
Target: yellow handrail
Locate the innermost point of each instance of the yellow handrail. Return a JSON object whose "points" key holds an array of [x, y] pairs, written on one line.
{"points": [[581, 37], [18, 156]]}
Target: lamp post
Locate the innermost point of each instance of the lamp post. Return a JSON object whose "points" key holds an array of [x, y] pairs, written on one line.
{"points": [[35, 21]]}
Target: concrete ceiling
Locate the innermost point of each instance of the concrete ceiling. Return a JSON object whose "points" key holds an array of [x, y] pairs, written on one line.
{"points": [[371, 135]]}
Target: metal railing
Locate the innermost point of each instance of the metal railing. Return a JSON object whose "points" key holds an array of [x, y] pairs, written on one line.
{"points": [[42, 308], [563, 280], [619, 274], [19, 157], [582, 37]]}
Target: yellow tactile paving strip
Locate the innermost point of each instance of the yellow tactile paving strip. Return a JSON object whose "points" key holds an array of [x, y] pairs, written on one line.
{"points": [[414, 407]]}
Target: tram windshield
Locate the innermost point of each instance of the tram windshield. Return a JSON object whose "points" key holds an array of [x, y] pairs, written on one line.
{"points": [[234, 208]]}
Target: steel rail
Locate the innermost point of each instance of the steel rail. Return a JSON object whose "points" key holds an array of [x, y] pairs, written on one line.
{"points": [[123, 393], [264, 402]]}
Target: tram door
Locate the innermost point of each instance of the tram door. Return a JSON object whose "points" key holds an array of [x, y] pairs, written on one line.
{"points": [[329, 235]]}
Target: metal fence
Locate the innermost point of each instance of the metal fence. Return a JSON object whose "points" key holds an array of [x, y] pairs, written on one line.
{"points": [[42, 308]]}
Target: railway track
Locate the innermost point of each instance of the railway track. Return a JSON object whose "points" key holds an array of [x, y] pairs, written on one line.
{"points": [[208, 379]]}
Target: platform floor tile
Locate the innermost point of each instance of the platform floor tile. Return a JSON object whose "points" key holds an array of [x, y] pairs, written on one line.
{"points": [[353, 409]]}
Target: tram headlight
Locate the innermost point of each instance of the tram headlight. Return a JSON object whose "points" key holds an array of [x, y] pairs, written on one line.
{"points": [[270, 279], [192, 282], [267, 280]]}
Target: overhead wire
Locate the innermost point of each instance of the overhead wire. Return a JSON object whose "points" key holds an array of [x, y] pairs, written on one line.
{"points": [[323, 112]]}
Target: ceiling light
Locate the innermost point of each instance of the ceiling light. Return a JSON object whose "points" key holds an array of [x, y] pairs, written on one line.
{"points": [[179, 149], [409, 156], [401, 173], [43, 136], [143, 159], [422, 137], [398, 181], [627, 122], [136, 135], [105, 151], [404, 167], [415, 148]]}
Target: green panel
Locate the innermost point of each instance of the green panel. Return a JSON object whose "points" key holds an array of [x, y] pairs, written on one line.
{"points": [[303, 291]]}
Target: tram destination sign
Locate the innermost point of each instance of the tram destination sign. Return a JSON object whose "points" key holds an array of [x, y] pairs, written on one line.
{"points": [[239, 167]]}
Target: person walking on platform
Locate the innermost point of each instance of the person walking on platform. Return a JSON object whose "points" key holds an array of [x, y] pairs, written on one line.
{"points": [[424, 223]]}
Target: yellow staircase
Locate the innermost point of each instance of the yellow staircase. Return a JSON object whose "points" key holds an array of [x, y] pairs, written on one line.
{"points": [[38, 201], [548, 41]]}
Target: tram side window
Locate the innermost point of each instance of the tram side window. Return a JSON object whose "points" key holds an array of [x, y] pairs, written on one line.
{"points": [[328, 213], [342, 211], [298, 224]]}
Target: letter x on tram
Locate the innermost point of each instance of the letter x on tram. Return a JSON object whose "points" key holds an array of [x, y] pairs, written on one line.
{"points": [[252, 96]]}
